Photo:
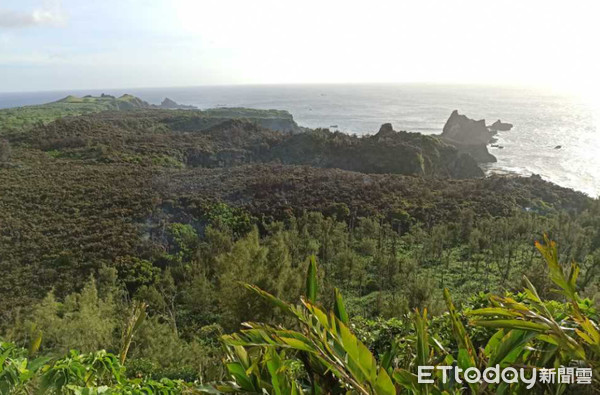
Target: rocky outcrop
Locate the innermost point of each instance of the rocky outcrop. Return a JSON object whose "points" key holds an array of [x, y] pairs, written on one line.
{"points": [[460, 128], [130, 102], [468, 136], [385, 131], [388, 151], [277, 120], [238, 141], [500, 126], [284, 125], [172, 105]]}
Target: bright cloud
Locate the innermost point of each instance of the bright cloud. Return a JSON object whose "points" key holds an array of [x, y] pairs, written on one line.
{"points": [[49, 14]]}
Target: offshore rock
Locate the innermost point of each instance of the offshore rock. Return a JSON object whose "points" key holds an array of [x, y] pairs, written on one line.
{"points": [[468, 136], [500, 126]]}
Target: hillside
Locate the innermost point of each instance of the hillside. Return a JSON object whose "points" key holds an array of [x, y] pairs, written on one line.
{"points": [[86, 190], [22, 118], [174, 208], [219, 138]]}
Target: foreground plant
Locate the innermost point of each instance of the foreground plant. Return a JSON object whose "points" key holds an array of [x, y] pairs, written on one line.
{"points": [[77, 373], [321, 355]]}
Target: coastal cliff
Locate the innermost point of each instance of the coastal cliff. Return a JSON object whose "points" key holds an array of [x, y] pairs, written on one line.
{"points": [[209, 139], [388, 151], [189, 117]]}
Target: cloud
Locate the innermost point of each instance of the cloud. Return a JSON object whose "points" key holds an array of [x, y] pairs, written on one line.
{"points": [[51, 14]]}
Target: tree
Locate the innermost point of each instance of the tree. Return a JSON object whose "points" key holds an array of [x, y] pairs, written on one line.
{"points": [[529, 332]]}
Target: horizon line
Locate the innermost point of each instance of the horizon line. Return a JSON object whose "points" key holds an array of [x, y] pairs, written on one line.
{"points": [[230, 85]]}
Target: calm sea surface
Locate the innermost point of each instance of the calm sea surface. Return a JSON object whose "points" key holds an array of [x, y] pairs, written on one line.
{"points": [[542, 120]]}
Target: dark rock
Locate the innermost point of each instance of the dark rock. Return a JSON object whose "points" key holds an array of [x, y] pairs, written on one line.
{"points": [[558, 147], [386, 130], [500, 126], [468, 136], [235, 142], [479, 153], [461, 129], [388, 151]]}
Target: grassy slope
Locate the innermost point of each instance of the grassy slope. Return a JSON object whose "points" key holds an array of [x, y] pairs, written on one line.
{"points": [[22, 118]]}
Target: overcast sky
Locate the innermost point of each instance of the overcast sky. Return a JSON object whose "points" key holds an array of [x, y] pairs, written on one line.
{"points": [[88, 44]]}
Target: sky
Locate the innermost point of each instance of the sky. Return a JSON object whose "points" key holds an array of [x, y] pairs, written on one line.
{"points": [[90, 44]]}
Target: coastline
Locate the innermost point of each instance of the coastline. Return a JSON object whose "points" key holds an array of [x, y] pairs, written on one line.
{"points": [[361, 109]]}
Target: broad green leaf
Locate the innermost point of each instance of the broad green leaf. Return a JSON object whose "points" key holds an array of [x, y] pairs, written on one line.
{"points": [[512, 342], [511, 324], [494, 311], [384, 385], [339, 308], [311, 280]]}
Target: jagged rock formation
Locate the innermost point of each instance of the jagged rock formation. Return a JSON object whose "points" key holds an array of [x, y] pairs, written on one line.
{"points": [[386, 152], [500, 126], [468, 136]]}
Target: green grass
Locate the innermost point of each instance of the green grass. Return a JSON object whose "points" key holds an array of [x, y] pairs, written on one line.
{"points": [[21, 118]]}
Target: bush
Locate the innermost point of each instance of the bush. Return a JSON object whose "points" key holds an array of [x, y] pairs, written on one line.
{"points": [[527, 332], [5, 151]]}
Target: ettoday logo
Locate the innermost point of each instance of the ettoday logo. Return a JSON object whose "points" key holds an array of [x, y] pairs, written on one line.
{"points": [[496, 375]]}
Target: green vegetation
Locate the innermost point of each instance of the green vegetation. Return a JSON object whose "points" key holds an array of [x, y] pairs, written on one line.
{"points": [[246, 113], [324, 356], [130, 232], [89, 373], [321, 354], [25, 117]]}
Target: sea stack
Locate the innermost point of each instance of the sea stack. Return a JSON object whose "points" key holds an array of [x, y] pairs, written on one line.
{"points": [[468, 136]]}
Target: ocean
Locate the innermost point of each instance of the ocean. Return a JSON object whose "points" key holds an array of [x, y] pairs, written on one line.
{"points": [[542, 120]]}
